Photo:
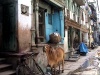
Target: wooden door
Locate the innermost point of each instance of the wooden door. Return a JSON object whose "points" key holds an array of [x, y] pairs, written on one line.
{"points": [[9, 27]]}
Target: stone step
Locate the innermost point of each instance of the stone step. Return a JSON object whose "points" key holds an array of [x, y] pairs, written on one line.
{"points": [[34, 48], [4, 67], [73, 59], [75, 56], [9, 72]]}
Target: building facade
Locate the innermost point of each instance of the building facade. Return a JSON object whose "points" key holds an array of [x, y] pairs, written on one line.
{"points": [[92, 12], [76, 25], [49, 18], [26, 26]]}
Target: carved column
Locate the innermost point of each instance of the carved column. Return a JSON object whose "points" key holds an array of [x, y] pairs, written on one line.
{"points": [[36, 21]]}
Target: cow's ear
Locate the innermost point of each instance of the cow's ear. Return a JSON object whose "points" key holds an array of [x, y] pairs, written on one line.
{"points": [[44, 49]]}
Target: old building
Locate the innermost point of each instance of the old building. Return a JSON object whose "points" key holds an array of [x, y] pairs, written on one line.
{"points": [[25, 25], [92, 12], [93, 18], [15, 34], [49, 18], [76, 24]]}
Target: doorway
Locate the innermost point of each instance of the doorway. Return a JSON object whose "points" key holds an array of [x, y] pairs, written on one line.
{"points": [[8, 27], [41, 25]]}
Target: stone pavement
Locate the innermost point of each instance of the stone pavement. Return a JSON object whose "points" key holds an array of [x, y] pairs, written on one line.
{"points": [[70, 67]]}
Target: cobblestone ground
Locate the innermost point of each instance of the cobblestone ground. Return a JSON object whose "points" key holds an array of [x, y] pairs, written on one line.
{"points": [[92, 69]]}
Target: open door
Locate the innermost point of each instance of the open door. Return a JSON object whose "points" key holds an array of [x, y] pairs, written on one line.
{"points": [[9, 22]]}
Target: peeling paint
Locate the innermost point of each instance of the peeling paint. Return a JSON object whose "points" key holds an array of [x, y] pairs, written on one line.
{"points": [[24, 37]]}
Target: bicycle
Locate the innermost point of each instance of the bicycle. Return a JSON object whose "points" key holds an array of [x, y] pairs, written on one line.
{"points": [[28, 66]]}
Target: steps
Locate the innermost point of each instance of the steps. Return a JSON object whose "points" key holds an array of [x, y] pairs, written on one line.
{"points": [[6, 69], [74, 57], [10, 72]]}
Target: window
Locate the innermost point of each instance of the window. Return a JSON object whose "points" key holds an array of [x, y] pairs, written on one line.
{"points": [[41, 25], [69, 4], [50, 19], [82, 16]]}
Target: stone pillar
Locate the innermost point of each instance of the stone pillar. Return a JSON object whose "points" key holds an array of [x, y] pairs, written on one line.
{"points": [[32, 22], [37, 20]]}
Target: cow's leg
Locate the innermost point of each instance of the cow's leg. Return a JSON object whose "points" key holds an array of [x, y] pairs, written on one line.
{"points": [[59, 68], [62, 65], [49, 68], [54, 70]]}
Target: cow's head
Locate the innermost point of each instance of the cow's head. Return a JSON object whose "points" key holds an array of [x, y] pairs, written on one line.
{"points": [[46, 48]]}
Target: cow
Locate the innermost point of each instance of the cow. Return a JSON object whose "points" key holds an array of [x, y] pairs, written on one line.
{"points": [[55, 56]]}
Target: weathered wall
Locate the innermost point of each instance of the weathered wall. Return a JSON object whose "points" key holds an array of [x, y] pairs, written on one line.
{"points": [[24, 25], [41, 59]]}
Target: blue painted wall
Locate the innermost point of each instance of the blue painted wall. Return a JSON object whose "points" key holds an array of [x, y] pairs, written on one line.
{"points": [[56, 21], [49, 28], [57, 24], [62, 26]]}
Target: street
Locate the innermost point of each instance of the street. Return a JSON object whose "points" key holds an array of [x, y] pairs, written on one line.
{"points": [[93, 67], [48, 32]]}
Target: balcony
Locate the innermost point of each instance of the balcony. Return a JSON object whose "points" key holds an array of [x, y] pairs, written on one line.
{"points": [[80, 2], [84, 26], [93, 8], [57, 3], [93, 16]]}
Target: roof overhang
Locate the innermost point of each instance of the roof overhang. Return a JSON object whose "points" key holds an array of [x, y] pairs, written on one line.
{"points": [[57, 3], [80, 2]]}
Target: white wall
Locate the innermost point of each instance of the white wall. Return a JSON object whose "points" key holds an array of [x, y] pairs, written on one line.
{"points": [[24, 26], [25, 21], [66, 41], [86, 37], [65, 12]]}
